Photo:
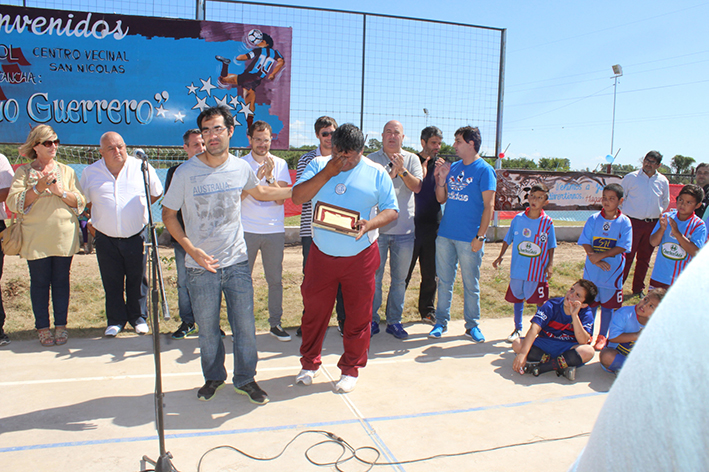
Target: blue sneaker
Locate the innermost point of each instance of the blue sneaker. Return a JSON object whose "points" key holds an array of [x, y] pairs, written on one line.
{"points": [[397, 331], [475, 334], [374, 329], [437, 331]]}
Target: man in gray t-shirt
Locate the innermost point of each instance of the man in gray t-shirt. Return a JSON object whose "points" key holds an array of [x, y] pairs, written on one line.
{"points": [[208, 189], [396, 238]]}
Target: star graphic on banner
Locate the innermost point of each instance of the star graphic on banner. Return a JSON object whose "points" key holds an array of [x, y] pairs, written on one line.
{"points": [[245, 109], [161, 111], [207, 86], [234, 102], [201, 104], [179, 117], [192, 88], [222, 102]]}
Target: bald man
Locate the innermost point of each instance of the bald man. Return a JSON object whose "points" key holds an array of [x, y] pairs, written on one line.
{"points": [[116, 194], [396, 238]]}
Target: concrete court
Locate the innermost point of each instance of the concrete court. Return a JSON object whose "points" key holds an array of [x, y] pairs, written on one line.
{"points": [[89, 406]]}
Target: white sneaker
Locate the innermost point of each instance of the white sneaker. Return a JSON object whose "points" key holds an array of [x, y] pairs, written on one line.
{"points": [[515, 335], [142, 328], [346, 384], [306, 377], [112, 331]]}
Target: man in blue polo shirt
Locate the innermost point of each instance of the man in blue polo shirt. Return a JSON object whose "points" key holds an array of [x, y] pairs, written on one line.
{"points": [[468, 189], [354, 184]]}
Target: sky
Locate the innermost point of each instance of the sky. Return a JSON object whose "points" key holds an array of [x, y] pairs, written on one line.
{"points": [[558, 88]]}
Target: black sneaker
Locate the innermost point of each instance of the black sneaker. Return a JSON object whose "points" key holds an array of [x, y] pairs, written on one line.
{"points": [[532, 368], [341, 327], [278, 332], [223, 59], [184, 330], [254, 392], [209, 389], [429, 318], [568, 372], [299, 332], [4, 339]]}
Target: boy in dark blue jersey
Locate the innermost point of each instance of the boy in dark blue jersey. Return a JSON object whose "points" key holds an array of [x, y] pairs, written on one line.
{"points": [[533, 240], [559, 336], [606, 237]]}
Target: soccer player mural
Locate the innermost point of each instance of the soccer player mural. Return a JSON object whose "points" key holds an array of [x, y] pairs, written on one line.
{"points": [[263, 62]]}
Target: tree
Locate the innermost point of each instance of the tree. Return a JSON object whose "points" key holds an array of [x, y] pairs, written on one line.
{"points": [[373, 145], [681, 163], [554, 163], [519, 163]]}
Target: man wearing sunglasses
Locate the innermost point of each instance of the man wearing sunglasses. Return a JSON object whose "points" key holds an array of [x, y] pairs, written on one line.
{"points": [[647, 196]]}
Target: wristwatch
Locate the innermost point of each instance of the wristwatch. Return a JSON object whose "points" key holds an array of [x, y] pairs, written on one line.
{"points": [[271, 180], [405, 173], [481, 238], [63, 195]]}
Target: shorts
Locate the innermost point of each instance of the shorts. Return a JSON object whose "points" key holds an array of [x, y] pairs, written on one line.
{"points": [[249, 81], [656, 284], [554, 347], [520, 290], [608, 298]]}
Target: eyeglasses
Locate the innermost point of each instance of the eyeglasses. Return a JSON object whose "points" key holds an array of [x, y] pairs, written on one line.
{"points": [[49, 143], [216, 130], [325, 134], [651, 161]]}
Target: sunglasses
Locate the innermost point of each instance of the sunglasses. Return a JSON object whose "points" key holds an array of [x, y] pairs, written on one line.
{"points": [[49, 143], [325, 134]]}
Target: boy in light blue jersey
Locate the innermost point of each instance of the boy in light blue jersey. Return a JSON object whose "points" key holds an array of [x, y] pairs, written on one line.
{"points": [[533, 240], [606, 237], [625, 329], [680, 234]]}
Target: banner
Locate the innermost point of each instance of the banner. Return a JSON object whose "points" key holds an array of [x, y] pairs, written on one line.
{"points": [[146, 78], [567, 190]]}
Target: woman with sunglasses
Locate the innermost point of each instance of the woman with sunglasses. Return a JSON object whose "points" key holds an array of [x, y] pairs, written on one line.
{"points": [[47, 195]]}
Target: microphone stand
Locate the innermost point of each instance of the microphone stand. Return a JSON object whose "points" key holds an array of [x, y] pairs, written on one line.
{"points": [[163, 463]]}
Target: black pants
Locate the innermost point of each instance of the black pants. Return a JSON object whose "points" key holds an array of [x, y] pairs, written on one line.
{"points": [[425, 253], [121, 262]]}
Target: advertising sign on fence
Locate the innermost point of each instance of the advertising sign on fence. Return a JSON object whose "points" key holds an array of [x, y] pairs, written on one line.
{"points": [[567, 190], [147, 78]]}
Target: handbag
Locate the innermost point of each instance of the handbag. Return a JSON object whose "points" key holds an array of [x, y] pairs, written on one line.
{"points": [[12, 237]]}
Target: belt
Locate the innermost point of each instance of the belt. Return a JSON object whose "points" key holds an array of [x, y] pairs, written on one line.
{"points": [[646, 220]]}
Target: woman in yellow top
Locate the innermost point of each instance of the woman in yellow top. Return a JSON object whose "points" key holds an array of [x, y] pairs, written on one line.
{"points": [[47, 194]]}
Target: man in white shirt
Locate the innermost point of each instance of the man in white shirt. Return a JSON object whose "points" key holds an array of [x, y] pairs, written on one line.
{"points": [[6, 175], [115, 188], [647, 196], [264, 229], [396, 238]]}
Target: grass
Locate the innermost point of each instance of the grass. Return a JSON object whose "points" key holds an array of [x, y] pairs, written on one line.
{"points": [[87, 307]]}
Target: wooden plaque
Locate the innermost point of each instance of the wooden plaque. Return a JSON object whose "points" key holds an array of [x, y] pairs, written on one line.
{"points": [[335, 218]]}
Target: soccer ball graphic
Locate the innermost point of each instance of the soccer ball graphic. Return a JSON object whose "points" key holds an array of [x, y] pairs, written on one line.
{"points": [[254, 37]]}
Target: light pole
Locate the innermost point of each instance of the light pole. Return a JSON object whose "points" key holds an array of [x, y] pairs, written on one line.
{"points": [[425, 112], [617, 72]]}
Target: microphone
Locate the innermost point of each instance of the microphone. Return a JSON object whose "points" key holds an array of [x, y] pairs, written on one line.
{"points": [[140, 154]]}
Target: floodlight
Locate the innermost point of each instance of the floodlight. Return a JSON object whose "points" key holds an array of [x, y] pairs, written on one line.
{"points": [[617, 70]]}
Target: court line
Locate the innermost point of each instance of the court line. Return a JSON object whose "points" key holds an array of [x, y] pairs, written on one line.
{"points": [[300, 426]]}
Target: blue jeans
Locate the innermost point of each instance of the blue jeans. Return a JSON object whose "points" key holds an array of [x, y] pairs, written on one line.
{"points": [[206, 290], [448, 253], [183, 295], [49, 272], [402, 250]]}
